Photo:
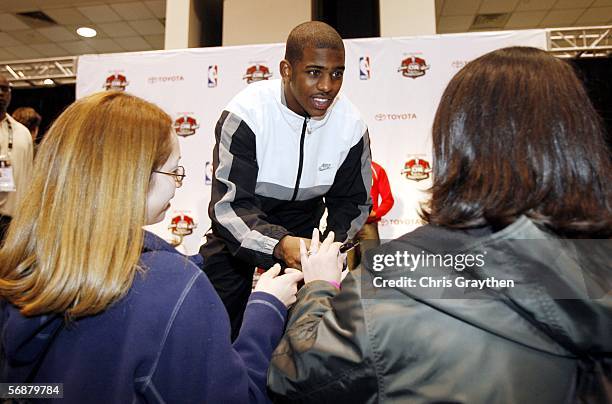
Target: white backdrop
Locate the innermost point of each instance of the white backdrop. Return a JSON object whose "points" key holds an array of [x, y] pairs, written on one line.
{"points": [[395, 82]]}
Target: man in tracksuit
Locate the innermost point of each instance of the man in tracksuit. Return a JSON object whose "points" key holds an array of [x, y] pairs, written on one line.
{"points": [[285, 150]]}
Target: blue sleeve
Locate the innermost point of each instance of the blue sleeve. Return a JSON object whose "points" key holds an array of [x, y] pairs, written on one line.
{"points": [[198, 362]]}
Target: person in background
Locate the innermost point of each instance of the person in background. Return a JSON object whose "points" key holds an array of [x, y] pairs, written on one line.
{"points": [[91, 300], [382, 202], [29, 118], [16, 155], [521, 178], [285, 150]]}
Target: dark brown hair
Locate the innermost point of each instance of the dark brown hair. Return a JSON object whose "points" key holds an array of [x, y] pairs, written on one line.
{"points": [[515, 134], [311, 34], [28, 117]]}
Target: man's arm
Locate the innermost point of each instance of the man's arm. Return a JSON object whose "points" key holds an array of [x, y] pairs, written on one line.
{"points": [[348, 200], [234, 210], [22, 159]]}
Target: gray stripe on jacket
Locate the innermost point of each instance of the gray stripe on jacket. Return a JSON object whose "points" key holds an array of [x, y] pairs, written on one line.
{"points": [[224, 213]]}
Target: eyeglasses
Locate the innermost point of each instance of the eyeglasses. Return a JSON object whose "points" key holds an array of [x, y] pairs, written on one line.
{"points": [[178, 174], [5, 89]]}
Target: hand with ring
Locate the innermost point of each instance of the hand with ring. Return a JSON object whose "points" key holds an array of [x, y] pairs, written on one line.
{"points": [[323, 261], [314, 243]]}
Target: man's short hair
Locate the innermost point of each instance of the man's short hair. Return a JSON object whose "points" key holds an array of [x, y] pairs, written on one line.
{"points": [[311, 34]]}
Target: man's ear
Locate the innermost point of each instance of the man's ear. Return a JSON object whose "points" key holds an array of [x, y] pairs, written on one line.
{"points": [[285, 69]]}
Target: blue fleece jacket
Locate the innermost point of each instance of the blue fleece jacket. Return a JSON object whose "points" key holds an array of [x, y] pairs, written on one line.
{"points": [[167, 340]]}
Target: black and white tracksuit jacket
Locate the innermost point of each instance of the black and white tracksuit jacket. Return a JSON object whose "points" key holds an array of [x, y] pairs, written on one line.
{"points": [[273, 167]]}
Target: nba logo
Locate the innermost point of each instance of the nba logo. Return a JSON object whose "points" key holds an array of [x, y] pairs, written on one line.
{"points": [[364, 68], [208, 173], [212, 76]]}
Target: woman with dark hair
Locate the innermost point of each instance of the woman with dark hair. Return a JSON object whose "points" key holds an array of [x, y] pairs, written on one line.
{"points": [[515, 134], [505, 295]]}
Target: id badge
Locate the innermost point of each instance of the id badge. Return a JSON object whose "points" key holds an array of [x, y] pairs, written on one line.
{"points": [[7, 180]]}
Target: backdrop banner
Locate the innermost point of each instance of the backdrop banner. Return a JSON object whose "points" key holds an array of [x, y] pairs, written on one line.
{"points": [[396, 83]]}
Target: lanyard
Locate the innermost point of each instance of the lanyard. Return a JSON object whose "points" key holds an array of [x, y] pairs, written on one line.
{"points": [[10, 136]]}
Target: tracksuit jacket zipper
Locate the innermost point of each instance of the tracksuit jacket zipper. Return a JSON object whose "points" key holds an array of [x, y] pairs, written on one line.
{"points": [[300, 166]]}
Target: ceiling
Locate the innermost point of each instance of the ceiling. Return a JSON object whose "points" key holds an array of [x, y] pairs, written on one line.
{"points": [[128, 25], [488, 15], [122, 25]]}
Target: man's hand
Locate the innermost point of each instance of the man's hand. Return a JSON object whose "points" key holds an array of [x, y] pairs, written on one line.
{"points": [[288, 250]]}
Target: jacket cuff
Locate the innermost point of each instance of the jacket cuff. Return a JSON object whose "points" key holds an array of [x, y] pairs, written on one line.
{"points": [[319, 287], [278, 234], [271, 302], [266, 260]]}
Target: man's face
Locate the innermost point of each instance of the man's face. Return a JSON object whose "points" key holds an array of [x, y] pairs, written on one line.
{"points": [[5, 95], [312, 83]]}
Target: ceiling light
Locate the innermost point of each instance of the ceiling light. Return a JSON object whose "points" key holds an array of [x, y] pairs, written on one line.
{"points": [[86, 32], [48, 82]]}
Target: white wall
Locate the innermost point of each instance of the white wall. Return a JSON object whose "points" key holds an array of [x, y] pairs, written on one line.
{"points": [[263, 21], [182, 25], [407, 17]]}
